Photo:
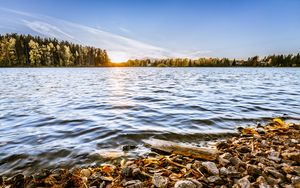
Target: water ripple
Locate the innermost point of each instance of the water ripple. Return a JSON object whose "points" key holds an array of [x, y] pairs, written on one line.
{"points": [[52, 117]]}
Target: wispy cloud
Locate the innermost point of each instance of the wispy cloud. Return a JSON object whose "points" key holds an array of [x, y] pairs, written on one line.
{"points": [[124, 29], [119, 48]]}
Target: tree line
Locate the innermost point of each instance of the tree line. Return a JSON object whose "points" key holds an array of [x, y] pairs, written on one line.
{"points": [[29, 51], [268, 61]]}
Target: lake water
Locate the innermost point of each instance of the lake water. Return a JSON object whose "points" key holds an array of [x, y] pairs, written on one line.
{"points": [[52, 117]]}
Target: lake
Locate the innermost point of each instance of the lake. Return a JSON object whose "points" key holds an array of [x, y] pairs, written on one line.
{"points": [[53, 117]]}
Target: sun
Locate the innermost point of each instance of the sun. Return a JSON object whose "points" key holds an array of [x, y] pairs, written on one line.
{"points": [[118, 57]]}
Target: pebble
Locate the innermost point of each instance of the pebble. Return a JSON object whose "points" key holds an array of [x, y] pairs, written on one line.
{"points": [[214, 179], [128, 147], [211, 167], [223, 161], [253, 170], [187, 184], [134, 184], [160, 181], [18, 181], [244, 149], [126, 172], [85, 172], [244, 182], [235, 161]]}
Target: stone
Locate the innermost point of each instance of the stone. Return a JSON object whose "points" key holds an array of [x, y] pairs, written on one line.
{"points": [[134, 184], [128, 147], [233, 173], [297, 126], [274, 173], [18, 181], [296, 170], [226, 156], [244, 182], [223, 161], [294, 141], [235, 161], [287, 169], [244, 149], [102, 185], [223, 171], [274, 156], [160, 181], [126, 172], [1, 181], [211, 167], [187, 184], [295, 156], [196, 182], [264, 144], [222, 145], [260, 130], [295, 180], [85, 173], [253, 170], [262, 183], [214, 179], [273, 181]]}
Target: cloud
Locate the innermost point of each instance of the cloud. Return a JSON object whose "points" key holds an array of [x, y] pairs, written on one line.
{"points": [[47, 29], [124, 29], [118, 47]]}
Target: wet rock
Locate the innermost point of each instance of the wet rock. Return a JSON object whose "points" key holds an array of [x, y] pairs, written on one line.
{"points": [[126, 172], [297, 126], [1, 181], [244, 149], [260, 130], [222, 145], [244, 182], [138, 174], [85, 173], [211, 167], [188, 184], [253, 170], [159, 181], [18, 181], [128, 147]]}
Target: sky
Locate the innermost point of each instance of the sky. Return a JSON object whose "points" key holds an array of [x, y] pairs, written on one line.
{"points": [[131, 29]]}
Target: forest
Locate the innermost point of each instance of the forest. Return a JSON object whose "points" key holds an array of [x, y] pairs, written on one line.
{"points": [[268, 61], [29, 51], [34, 51]]}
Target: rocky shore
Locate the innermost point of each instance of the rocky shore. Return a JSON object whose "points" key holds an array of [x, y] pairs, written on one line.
{"points": [[262, 156]]}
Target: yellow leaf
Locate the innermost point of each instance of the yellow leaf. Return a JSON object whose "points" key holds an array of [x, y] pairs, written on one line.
{"points": [[278, 121], [251, 131]]}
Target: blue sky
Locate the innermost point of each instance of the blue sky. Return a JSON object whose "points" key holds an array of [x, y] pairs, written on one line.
{"points": [[212, 28]]}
